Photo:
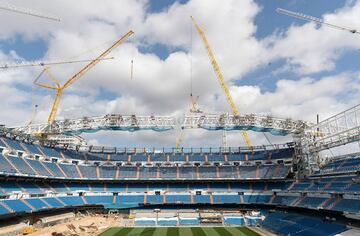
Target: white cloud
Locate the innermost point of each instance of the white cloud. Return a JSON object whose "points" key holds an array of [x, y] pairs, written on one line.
{"points": [[314, 49]]}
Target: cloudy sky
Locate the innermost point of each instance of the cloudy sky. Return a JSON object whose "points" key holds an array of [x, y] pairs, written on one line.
{"points": [[273, 64]]}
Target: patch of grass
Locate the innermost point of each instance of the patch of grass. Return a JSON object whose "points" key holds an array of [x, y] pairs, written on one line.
{"points": [[148, 232], [222, 231], [172, 231], [175, 231], [116, 232], [247, 231], [197, 231]]}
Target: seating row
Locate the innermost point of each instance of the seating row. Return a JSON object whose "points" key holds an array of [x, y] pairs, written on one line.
{"points": [[12, 165]]}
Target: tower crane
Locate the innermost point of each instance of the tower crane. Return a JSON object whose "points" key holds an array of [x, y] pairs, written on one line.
{"points": [[24, 11], [60, 88], [315, 19], [220, 78]]}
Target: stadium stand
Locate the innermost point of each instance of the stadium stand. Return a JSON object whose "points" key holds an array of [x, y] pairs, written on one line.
{"points": [[296, 224], [43, 178]]}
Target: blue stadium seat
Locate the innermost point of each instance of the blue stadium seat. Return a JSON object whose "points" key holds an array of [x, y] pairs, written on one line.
{"points": [[202, 199], [54, 202], [115, 187], [102, 200], [88, 171], [187, 173], [178, 158], [348, 205], [216, 158], [126, 199], [312, 202], [38, 167], [10, 186], [17, 205], [138, 187], [168, 172], [70, 170], [226, 198], [37, 203], [60, 187], [178, 187], [3, 210], [72, 200], [148, 172], [207, 172], [21, 165], [196, 158], [228, 172], [107, 172], [257, 198], [178, 199], [54, 169], [128, 172], [139, 158], [167, 221], [50, 152], [33, 149], [119, 157], [154, 199], [159, 158], [14, 144], [78, 186], [188, 221], [284, 200], [97, 187], [234, 220], [30, 187]]}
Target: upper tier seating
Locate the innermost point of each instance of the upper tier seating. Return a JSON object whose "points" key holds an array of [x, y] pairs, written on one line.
{"points": [[25, 166], [350, 164], [341, 184], [5, 166], [33, 149]]}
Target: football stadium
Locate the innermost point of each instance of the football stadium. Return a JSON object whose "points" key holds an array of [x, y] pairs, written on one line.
{"points": [[206, 170]]}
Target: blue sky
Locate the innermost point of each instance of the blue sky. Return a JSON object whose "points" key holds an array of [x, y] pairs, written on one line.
{"points": [[267, 22], [263, 55]]}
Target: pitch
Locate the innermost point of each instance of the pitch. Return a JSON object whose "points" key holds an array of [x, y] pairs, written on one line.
{"points": [[180, 231]]}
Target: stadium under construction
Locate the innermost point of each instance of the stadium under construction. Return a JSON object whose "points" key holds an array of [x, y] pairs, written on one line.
{"points": [[53, 183]]}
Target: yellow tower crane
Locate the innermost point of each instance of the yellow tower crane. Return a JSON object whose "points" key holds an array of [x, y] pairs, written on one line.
{"points": [[60, 88], [221, 79]]}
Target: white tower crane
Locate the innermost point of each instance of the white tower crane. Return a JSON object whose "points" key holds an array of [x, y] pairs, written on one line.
{"points": [[315, 19], [12, 8]]}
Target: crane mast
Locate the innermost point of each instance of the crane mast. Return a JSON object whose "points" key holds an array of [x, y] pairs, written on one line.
{"points": [[59, 89], [220, 78]]}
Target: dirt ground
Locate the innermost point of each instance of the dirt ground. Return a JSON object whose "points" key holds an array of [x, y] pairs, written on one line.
{"points": [[79, 226]]}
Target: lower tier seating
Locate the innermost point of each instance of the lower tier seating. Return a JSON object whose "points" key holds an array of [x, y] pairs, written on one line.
{"points": [[295, 224], [33, 204]]}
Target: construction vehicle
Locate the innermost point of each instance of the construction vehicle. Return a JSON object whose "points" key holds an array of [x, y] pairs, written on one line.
{"points": [[60, 88], [315, 19], [28, 230], [12, 8], [220, 78]]}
